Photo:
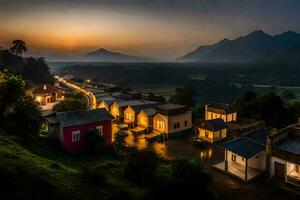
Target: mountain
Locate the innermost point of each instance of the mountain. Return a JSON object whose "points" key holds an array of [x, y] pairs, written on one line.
{"points": [[103, 55], [256, 46]]}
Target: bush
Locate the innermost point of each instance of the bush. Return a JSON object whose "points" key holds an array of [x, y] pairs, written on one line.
{"points": [[69, 105], [95, 143], [94, 176], [141, 166]]}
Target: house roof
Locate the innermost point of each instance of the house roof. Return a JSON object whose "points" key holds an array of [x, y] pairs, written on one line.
{"points": [[212, 125], [170, 106], [249, 145], [81, 117], [259, 136], [244, 147], [290, 145], [45, 89], [138, 108], [149, 112], [219, 108]]}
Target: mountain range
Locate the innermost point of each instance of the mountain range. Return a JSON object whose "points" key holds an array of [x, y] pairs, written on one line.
{"points": [[254, 47], [104, 55]]}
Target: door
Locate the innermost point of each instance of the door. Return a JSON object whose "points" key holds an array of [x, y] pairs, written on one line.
{"points": [[279, 170]]}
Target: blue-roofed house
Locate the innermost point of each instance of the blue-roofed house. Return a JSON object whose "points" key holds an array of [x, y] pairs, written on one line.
{"points": [[211, 130], [245, 157], [283, 149]]}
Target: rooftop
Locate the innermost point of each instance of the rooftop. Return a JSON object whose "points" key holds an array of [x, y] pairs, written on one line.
{"points": [[170, 106], [244, 147], [150, 112], [45, 89], [74, 118], [212, 125], [290, 145], [216, 107]]}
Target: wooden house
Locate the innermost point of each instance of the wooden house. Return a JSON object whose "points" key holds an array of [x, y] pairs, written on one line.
{"points": [[211, 130], [45, 94], [219, 110]]}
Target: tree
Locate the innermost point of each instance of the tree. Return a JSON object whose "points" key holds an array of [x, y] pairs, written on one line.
{"points": [[287, 94], [18, 47], [120, 139], [95, 143], [18, 111], [69, 105], [184, 96]]}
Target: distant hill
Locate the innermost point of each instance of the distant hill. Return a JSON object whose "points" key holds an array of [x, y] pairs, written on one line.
{"points": [[103, 55], [256, 46]]}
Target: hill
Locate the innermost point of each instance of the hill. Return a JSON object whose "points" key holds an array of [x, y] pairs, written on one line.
{"points": [[254, 47], [103, 55]]}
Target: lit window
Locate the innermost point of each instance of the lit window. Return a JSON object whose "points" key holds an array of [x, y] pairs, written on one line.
{"points": [[160, 124], [233, 157], [75, 136], [100, 129]]}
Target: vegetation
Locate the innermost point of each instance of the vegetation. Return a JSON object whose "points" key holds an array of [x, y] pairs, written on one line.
{"points": [[70, 103], [184, 96], [266, 106], [34, 70], [95, 143], [19, 113]]}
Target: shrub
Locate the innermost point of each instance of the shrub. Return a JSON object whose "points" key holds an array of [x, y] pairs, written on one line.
{"points": [[95, 143], [141, 166]]}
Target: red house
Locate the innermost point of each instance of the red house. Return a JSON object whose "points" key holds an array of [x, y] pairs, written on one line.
{"points": [[74, 125]]}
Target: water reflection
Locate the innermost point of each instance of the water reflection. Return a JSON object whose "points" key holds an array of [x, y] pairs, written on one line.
{"points": [[170, 149]]}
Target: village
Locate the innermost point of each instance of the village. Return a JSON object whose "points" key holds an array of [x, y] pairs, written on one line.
{"points": [[247, 150]]}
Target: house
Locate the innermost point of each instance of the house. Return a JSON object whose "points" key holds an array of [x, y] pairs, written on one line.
{"points": [[245, 157], [211, 130], [283, 149], [145, 118], [45, 94], [172, 118], [131, 113], [219, 110], [73, 126], [118, 106]]}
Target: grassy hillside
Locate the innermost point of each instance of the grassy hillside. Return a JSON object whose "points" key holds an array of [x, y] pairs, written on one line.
{"points": [[40, 170]]}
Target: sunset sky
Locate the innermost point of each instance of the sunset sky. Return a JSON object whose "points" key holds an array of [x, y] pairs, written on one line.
{"points": [[165, 29]]}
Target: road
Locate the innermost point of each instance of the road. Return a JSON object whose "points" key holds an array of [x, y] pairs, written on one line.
{"points": [[92, 103]]}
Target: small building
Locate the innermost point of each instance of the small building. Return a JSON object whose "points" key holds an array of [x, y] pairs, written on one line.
{"points": [[283, 150], [117, 107], [211, 130], [131, 113], [172, 118], [73, 127], [145, 118], [131, 95], [220, 110], [245, 157], [46, 94]]}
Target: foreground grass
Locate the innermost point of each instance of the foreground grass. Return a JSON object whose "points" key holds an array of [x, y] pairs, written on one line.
{"points": [[40, 169]]}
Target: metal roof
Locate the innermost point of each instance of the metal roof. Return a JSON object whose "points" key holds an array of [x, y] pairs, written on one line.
{"points": [[244, 147], [259, 136], [290, 145], [213, 124], [74, 118]]}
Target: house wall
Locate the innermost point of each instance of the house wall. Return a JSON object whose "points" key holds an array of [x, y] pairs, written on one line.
{"points": [[79, 145], [181, 118], [272, 164], [258, 162], [212, 135], [114, 110], [212, 115], [129, 115], [143, 119], [102, 104], [163, 119], [239, 159]]}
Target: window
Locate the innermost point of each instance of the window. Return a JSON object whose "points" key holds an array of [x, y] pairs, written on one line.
{"points": [[185, 123], [100, 129], [297, 169], [160, 124], [211, 116], [233, 157], [75, 136], [243, 159], [206, 134]]}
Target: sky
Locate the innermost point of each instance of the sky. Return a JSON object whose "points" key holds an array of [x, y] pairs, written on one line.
{"points": [[162, 29]]}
